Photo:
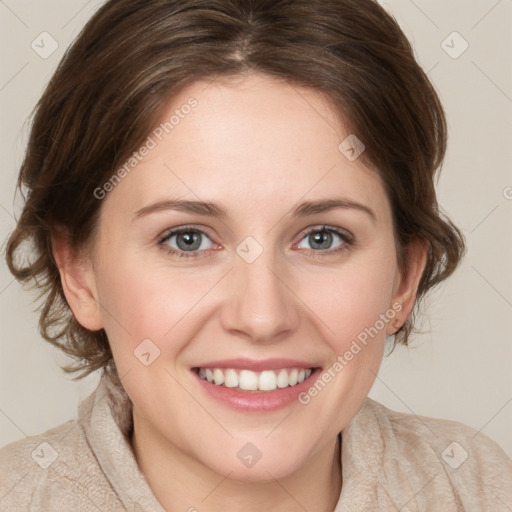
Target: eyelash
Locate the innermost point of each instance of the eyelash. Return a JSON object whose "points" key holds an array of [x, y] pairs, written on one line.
{"points": [[346, 237]]}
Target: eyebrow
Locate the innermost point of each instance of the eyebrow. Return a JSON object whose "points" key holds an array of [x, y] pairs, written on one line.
{"points": [[209, 209]]}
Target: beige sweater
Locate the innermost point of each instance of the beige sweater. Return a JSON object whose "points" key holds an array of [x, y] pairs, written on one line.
{"points": [[390, 462]]}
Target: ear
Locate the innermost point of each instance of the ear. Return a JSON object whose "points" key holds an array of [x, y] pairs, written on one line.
{"points": [[407, 282], [78, 281]]}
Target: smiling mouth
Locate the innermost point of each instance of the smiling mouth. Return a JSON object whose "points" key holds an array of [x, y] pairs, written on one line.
{"points": [[247, 380]]}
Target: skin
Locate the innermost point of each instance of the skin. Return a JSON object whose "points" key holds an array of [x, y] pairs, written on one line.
{"points": [[257, 147]]}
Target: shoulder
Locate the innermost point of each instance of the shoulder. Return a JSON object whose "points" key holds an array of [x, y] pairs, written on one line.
{"points": [[451, 455], [459, 443], [50, 471], [30, 455], [26, 465]]}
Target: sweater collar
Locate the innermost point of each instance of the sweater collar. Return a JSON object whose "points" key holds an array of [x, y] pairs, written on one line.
{"points": [[105, 417]]}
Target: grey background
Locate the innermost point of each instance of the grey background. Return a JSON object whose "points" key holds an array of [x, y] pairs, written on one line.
{"points": [[460, 367]]}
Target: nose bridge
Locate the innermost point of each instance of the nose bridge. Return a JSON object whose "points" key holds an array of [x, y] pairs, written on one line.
{"points": [[261, 305]]}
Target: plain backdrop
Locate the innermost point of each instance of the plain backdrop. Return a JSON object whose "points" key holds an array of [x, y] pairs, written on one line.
{"points": [[460, 367]]}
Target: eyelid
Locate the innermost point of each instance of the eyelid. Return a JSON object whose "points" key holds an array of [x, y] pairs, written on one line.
{"points": [[180, 229], [326, 227]]}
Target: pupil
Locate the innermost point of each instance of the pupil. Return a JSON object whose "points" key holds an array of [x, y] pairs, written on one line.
{"points": [[322, 238], [190, 240]]}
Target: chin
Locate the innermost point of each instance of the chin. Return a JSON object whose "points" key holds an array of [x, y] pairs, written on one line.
{"points": [[246, 462]]}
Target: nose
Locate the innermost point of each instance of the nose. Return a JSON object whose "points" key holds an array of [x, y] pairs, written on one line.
{"points": [[262, 304]]}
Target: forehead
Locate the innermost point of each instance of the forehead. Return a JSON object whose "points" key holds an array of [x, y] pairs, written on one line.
{"points": [[252, 141]]}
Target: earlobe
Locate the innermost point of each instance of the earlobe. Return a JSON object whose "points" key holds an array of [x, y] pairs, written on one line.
{"points": [[78, 281], [406, 284]]}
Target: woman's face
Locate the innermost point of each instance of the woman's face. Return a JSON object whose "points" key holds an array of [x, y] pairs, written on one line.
{"points": [[263, 287]]}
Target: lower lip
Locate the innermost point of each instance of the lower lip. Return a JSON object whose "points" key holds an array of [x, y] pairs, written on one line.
{"points": [[263, 401]]}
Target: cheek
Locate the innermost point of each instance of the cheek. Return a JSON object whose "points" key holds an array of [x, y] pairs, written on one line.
{"points": [[142, 301], [351, 302]]}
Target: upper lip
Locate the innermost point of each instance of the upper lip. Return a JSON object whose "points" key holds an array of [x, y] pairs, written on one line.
{"points": [[255, 365]]}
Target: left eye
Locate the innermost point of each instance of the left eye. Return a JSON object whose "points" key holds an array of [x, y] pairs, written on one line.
{"points": [[322, 238]]}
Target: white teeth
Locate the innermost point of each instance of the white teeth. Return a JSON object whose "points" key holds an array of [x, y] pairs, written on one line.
{"points": [[247, 380], [267, 381], [282, 379], [230, 379], [218, 377]]}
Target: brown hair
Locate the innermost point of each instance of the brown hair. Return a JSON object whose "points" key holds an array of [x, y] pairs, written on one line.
{"points": [[133, 55]]}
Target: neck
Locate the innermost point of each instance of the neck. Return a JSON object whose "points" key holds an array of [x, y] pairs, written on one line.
{"points": [[181, 482]]}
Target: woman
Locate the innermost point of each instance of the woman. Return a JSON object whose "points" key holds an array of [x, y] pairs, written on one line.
{"points": [[232, 206]]}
